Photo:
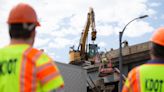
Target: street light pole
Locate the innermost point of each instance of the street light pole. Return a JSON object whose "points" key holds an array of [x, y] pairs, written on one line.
{"points": [[120, 50]]}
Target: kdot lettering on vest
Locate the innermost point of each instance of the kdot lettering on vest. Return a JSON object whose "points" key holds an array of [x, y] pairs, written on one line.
{"points": [[153, 85], [8, 66]]}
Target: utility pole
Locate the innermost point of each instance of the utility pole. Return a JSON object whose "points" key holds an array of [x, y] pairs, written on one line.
{"points": [[120, 49]]}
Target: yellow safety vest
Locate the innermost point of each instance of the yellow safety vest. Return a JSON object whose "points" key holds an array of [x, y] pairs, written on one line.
{"points": [[146, 78], [26, 69]]}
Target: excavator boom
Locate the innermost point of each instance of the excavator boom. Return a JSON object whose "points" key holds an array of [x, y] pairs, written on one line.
{"points": [[90, 23], [81, 54]]}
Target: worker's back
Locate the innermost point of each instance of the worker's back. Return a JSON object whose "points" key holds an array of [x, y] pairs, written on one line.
{"points": [[25, 69], [10, 67], [152, 77], [146, 78]]}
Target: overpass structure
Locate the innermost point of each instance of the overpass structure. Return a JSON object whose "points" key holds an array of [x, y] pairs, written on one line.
{"points": [[132, 56], [87, 77]]}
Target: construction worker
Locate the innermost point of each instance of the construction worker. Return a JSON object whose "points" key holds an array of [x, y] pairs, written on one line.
{"points": [[149, 77], [22, 67]]}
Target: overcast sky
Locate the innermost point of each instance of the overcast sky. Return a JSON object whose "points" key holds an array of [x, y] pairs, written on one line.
{"points": [[62, 22]]}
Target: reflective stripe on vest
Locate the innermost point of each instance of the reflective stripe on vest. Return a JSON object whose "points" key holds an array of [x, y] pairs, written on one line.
{"points": [[46, 72], [133, 81], [28, 70], [136, 86]]}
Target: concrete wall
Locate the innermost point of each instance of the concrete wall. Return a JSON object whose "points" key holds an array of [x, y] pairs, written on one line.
{"points": [[74, 77]]}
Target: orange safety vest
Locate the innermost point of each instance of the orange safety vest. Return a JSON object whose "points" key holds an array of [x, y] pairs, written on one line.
{"points": [[146, 78], [26, 69]]}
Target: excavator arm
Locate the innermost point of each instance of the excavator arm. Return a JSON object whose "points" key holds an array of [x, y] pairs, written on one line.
{"points": [[90, 23], [77, 56]]}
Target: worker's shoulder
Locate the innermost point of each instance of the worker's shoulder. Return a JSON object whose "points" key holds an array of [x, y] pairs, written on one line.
{"points": [[5, 49], [35, 49], [2, 51], [40, 53], [2, 48], [134, 71], [41, 57]]}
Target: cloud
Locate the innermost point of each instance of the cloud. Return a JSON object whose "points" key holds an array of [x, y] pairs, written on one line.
{"points": [[137, 29], [162, 17], [41, 42], [4, 37], [105, 30], [63, 32], [154, 4], [59, 43], [102, 44], [62, 21], [52, 13]]}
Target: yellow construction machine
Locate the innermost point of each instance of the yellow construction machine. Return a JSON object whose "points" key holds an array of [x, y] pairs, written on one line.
{"points": [[81, 54]]}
